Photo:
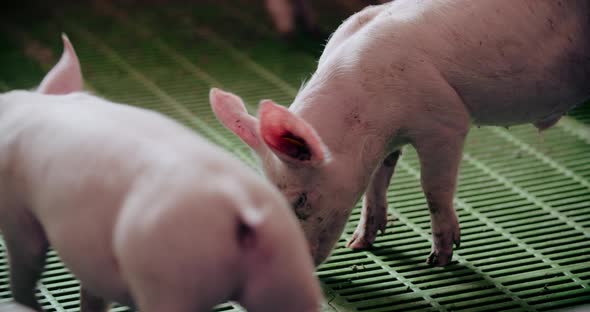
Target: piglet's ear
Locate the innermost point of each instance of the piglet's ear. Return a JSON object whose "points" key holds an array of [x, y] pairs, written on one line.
{"points": [[65, 77], [231, 112], [291, 138]]}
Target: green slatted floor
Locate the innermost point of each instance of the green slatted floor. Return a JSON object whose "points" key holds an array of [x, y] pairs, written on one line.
{"points": [[523, 199]]}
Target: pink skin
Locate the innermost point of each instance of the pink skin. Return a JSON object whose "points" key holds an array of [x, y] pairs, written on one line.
{"points": [[142, 210], [418, 73]]}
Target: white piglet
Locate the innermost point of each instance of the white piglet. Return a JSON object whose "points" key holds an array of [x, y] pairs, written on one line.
{"points": [[141, 209], [418, 73]]}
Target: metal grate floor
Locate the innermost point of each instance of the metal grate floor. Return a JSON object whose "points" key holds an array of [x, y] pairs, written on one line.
{"points": [[523, 198]]}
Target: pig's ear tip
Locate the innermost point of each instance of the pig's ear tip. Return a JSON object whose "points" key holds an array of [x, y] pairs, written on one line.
{"points": [[326, 157], [214, 95], [66, 39], [267, 104], [67, 44], [264, 107], [217, 92]]}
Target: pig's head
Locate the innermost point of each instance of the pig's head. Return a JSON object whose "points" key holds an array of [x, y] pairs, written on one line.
{"points": [[65, 77], [295, 159]]}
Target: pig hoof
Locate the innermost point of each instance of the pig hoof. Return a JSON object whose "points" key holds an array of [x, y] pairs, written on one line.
{"points": [[442, 245], [366, 231], [360, 241], [439, 258]]}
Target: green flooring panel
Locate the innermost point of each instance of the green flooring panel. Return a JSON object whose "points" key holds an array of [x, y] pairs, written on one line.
{"points": [[523, 199]]}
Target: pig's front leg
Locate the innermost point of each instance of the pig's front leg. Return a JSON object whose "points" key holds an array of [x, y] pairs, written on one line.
{"points": [[90, 302], [440, 155], [374, 211]]}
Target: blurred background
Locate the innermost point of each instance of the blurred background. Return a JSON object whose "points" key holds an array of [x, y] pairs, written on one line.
{"points": [[523, 198]]}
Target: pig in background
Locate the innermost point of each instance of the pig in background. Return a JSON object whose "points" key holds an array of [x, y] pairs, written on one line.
{"points": [[414, 73], [143, 211], [287, 15]]}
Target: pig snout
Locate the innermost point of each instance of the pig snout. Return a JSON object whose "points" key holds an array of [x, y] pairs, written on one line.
{"points": [[321, 240], [320, 254]]}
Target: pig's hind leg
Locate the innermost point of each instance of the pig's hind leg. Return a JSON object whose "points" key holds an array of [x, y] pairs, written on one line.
{"points": [[374, 211], [27, 246]]}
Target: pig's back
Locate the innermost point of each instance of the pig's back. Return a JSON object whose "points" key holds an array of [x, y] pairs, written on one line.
{"points": [[96, 139], [511, 61], [515, 62], [79, 157], [82, 123]]}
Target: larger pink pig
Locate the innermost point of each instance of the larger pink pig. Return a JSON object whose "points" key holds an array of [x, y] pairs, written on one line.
{"points": [[418, 73]]}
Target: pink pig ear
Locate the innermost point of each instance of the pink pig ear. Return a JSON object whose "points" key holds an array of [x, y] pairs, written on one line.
{"points": [[65, 77], [231, 112], [290, 137]]}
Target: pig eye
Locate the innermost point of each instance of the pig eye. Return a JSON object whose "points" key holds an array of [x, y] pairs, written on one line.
{"points": [[301, 200]]}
